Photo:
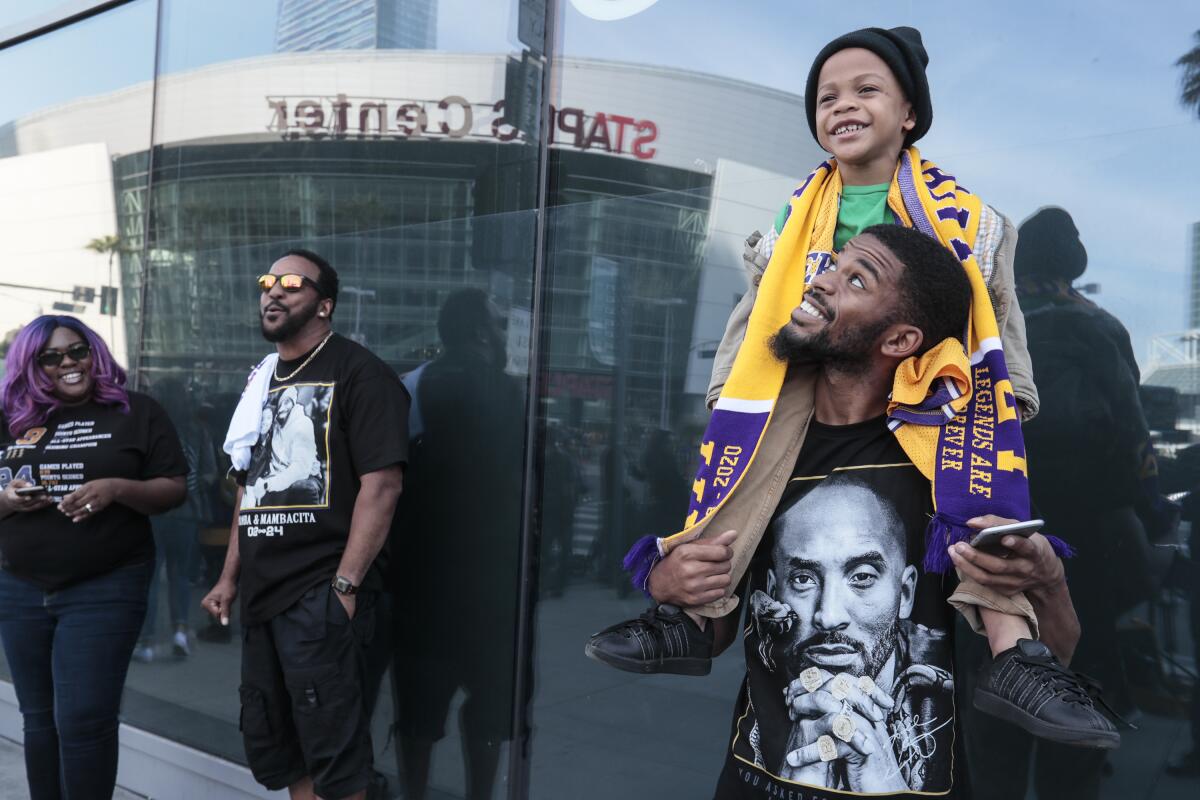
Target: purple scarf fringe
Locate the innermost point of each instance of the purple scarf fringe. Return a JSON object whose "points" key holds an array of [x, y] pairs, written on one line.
{"points": [[944, 531], [640, 559]]}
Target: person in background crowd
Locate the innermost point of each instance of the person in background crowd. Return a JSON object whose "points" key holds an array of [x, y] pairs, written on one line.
{"points": [[213, 538], [84, 464], [305, 548], [560, 496], [175, 532]]}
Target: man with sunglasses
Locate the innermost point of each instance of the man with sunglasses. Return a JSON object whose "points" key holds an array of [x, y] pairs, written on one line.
{"points": [[316, 501]]}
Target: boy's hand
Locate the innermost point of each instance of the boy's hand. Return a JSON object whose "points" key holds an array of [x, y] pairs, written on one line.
{"points": [[694, 573], [1031, 565]]}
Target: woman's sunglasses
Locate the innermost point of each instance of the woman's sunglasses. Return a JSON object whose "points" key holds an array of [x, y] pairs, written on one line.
{"points": [[52, 358], [291, 282]]}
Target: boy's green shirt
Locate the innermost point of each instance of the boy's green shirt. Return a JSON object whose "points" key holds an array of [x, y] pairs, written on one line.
{"points": [[861, 207]]}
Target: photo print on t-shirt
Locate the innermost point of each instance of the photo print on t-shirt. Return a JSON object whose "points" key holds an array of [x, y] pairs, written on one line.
{"points": [[289, 466], [849, 687]]}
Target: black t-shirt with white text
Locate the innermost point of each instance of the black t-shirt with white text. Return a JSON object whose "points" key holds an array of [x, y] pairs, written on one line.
{"points": [[343, 415], [78, 444], [849, 673]]}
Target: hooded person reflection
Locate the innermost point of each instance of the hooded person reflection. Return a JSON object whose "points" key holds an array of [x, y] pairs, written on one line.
{"points": [[1089, 443], [456, 588]]}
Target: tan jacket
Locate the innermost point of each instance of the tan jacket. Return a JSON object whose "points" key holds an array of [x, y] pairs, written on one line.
{"points": [[749, 509], [995, 246]]}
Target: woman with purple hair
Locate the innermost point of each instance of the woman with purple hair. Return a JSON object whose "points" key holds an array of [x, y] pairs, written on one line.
{"points": [[83, 463]]}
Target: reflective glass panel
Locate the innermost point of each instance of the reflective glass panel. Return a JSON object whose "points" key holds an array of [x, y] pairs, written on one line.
{"points": [[680, 130], [402, 146]]}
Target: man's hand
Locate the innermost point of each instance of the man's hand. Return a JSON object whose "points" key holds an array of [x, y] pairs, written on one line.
{"points": [[1032, 565], [349, 602], [219, 601], [694, 573]]}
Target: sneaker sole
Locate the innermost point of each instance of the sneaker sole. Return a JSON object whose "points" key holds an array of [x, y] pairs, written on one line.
{"points": [[1001, 708], [673, 666]]}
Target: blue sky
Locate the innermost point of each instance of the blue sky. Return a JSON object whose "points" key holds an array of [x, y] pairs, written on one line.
{"points": [[1051, 102], [1035, 103]]}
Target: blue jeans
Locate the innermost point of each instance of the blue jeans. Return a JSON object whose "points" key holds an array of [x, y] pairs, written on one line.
{"points": [[68, 652]]}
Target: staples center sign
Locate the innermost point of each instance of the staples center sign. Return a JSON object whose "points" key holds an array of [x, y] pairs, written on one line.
{"points": [[453, 117]]}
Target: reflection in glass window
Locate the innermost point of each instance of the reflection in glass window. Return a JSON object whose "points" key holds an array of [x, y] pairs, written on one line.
{"points": [[71, 212], [338, 128]]}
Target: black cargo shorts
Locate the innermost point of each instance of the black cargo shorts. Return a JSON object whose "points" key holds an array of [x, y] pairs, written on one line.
{"points": [[303, 705]]}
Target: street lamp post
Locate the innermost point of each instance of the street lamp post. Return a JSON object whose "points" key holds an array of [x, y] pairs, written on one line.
{"points": [[670, 304], [358, 295]]}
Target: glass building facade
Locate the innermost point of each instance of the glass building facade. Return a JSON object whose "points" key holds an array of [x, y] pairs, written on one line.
{"points": [[595, 168], [355, 24]]}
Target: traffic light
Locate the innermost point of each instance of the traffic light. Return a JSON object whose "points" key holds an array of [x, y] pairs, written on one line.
{"points": [[108, 300], [83, 294]]}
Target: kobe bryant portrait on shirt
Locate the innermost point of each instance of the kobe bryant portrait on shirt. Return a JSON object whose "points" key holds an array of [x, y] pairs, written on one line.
{"points": [[857, 689]]}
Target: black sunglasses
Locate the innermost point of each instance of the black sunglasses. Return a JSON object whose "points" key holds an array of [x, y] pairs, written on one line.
{"points": [[52, 358], [291, 282]]}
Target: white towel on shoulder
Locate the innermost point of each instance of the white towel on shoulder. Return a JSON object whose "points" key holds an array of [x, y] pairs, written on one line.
{"points": [[243, 428]]}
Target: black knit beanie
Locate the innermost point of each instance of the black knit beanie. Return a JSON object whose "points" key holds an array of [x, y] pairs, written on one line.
{"points": [[901, 49], [1048, 246]]}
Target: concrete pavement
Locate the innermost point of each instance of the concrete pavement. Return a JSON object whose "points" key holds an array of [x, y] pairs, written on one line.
{"points": [[12, 774]]}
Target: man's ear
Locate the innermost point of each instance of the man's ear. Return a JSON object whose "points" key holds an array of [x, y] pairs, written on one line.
{"points": [[325, 308], [910, 119], [908, 592], [901, 341]]}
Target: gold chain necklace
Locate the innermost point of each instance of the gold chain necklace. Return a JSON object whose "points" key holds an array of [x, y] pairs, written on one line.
{"points": [[311, 356]]}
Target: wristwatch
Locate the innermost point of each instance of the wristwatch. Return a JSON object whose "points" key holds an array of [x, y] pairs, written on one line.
{"points": [[343, 585]]}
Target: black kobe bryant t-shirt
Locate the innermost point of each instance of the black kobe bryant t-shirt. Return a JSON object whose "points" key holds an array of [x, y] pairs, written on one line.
{"points": [[343, 415], [78, 444], [849, 674]]}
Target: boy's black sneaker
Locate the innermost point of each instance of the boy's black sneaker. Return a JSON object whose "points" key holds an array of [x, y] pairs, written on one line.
{"points": [[1029, 688], [664, 639]]}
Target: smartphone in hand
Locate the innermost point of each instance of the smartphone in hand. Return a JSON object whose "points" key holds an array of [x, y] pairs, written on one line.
{"points": [[988, 539], [30, 491]]}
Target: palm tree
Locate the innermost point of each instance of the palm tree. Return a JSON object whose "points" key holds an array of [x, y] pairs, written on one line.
{"points": [[1190, 62], [110, 245]]}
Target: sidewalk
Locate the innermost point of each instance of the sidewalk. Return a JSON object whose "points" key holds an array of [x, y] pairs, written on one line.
{"points": [[12, 774]]}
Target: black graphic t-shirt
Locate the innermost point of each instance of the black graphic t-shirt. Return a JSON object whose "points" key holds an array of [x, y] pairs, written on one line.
{"points": [[849, 684], [77, 445], [343, 415]]}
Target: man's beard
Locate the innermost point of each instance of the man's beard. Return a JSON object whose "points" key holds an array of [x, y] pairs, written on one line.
{"points": [[796, 658], [293, 321], [851, 353]]}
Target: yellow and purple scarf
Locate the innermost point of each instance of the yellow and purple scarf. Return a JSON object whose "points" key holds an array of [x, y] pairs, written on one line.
{"points": [[956, 417]]}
